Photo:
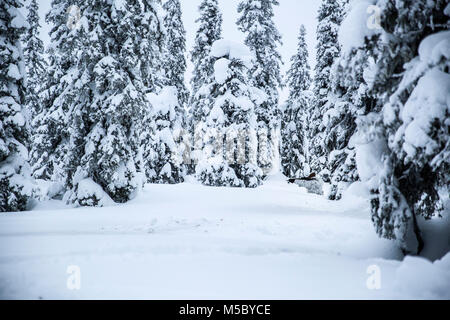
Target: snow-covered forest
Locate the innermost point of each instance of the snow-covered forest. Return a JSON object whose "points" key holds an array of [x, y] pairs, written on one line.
{"points": [[152, 183]]}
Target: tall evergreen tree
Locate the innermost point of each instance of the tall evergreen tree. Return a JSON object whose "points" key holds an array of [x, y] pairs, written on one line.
{"points": [[209, 31], [170, 132], [402, 136], [51, 126], [34, 60], [230, 142], [163, 43], [174, 60], [15, 182], [103, 94], [294, 120], [415, 178], [108, 121], [152, 42], [262, 37], [350, 97], [165, 163], [330, 17]]}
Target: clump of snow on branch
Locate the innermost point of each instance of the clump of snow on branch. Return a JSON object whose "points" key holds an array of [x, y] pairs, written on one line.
{"points": [[232, 50]]}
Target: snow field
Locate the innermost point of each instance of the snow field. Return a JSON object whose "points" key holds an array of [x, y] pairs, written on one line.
{"points": [[188, 241]]}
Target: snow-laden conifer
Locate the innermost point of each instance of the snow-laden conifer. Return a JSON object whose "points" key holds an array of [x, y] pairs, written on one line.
{"points": [[35, 63], [263, 39], [294, 122], [165, 162], [330, 17], [175, 49], [209, 31], [402, 136], [104, 61], [51, 134], [15, 182], [229, 146]]}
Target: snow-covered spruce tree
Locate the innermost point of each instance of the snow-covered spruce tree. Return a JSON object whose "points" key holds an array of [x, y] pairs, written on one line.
{"points": [[15, 181], [209, 31], [293, 123], [34, 59], [51, 134], [230, 143], [403, 148], [349, 97], [165, 163], [146, 48], [175, 46], [105, 159], [329, 17], [417, 121], [149, 21], [262, 37], [171, 116]]}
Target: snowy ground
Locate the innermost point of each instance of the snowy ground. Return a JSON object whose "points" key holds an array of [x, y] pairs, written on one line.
{"points": [[193, 242]]}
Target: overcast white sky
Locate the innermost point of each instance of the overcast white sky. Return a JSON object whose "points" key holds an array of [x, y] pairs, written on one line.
{"points": [[289, 15]]}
